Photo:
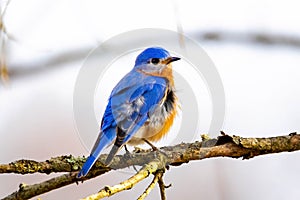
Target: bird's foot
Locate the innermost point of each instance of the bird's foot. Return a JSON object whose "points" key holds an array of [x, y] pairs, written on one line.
{"points": [[128, 155], [154, 148]]}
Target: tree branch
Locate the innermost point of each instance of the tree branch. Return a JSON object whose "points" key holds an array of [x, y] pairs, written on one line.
{"points": [[223, 146], [29, 191]]}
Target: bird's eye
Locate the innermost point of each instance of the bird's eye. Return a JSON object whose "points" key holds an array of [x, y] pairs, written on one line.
{"points": [[154, 61]]}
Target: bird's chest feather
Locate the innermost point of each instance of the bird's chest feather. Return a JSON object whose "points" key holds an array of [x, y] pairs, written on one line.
{"points": [[159, 122]]}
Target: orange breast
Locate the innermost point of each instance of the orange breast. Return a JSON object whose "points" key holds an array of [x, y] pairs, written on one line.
{"points": [[168, 74]]}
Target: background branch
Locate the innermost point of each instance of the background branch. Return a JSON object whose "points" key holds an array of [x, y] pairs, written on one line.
{"points": [[61, 58], [258, 38]]}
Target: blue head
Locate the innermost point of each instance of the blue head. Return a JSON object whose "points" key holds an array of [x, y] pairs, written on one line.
{"points": [[154, 59], [152, 52]]}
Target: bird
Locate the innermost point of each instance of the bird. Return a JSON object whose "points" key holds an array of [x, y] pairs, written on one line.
{"points": [[141, 107]]}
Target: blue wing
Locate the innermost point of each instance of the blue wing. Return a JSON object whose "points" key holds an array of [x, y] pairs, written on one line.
{"points": [[140, 101], [130, 105]]}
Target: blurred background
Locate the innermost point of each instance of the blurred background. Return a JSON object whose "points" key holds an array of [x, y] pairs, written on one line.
{"points": [[255, 46]]}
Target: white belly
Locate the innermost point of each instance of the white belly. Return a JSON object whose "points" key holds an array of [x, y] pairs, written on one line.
{"points": [[151, 127]]}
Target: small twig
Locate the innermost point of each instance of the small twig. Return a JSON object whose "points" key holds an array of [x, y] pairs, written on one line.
{"points": [[3, 36], [144, 172], [3, 67], [5, 8], [162, 187], [147, 191], [179, 25]]}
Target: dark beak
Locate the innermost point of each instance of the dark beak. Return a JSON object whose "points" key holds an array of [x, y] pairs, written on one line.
{"points": [[171, 59]]}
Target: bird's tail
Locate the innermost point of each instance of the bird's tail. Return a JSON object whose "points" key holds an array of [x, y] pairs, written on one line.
{"points": [[103, 140], [87, 166], [114, 150]]}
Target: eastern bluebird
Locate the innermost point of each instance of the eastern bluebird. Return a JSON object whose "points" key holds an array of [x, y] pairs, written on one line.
{"points": [[141, 107]]}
